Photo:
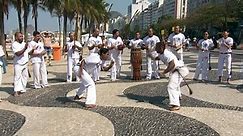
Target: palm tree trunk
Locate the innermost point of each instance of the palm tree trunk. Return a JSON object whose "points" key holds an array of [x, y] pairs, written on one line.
{"points": [[36, 24], [81, 26], [77, 27], [19, 12], [35, 6], [59, 29], [20, 21], [64, 27], [26, 14]]}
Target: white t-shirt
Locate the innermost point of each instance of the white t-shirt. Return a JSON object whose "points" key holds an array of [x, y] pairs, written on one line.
{"points": [[112, 41], [93, 41], [92, 62], [73, 53], [205, 44], [136, 43], [176, 39], [39, 49], [168, 56], [151, 42], [22, 59], [222, 47]]}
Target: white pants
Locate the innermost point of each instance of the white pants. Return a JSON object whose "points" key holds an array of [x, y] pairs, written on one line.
{"points": [[39, 73], [94, 71], [174, 85], [87, 87], [116, 68], [227, 59], [71, 62], [152, 68], [202, 65], [20, 77]]}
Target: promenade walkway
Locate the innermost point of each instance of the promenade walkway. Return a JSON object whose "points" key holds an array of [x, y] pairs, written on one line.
{"points": [[125, 107]]}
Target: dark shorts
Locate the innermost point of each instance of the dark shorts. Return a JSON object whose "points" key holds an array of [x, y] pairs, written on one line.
{"points": [[48, 51]]}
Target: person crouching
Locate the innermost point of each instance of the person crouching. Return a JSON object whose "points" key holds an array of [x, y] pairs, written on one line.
{"points": [[177, 70], [87, 87]]}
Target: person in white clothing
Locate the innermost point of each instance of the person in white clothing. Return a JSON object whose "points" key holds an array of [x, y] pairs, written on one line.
{"points": [[73, 47], [204, 45], [149, 43], [87, 88], [38, 62], [94, 42], [115, 45], [21, 57], [135, 43], [176, 41], [176, 70], [225, 56], [94, 45]]}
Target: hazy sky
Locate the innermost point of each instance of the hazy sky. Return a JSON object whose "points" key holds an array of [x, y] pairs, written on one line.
{"points": [[46, 22]]}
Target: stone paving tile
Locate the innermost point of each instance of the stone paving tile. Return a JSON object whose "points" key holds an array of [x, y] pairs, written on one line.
{"points": [[55, 96], [132, 121], [10, 122], [127, 121], [156, 93], [240, 88]]}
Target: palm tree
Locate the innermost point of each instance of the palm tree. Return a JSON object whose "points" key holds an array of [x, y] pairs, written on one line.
{"points": [[87, 9], [34, 4], [3, 10], [98, 13], [92, 12], [26, 9], [54, 7], [18, 6]]}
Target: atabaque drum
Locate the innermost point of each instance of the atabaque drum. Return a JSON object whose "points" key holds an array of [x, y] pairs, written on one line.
{"points": [[136, 60]]}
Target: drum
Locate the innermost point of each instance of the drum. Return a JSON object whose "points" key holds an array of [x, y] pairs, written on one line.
{"points": [[136, 60]]}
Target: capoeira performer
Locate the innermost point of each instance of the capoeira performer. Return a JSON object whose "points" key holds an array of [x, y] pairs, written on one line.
{"points": [[204, 46], [38, 62], [20, 62], [225, 56], [94, 45], [72, 48], [149, 43], [115, 45], [87, 86], [177, 70], [176, 41], [135, 43]]}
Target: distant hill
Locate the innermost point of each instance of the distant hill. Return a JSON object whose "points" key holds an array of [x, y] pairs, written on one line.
{"points": [[115, 14]]}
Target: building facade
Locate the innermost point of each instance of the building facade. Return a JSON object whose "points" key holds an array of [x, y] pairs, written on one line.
{"points": [[195, 4]]}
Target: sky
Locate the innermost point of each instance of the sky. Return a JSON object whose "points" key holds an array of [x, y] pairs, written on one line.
{"points": [[47, 22]]}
